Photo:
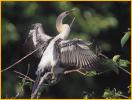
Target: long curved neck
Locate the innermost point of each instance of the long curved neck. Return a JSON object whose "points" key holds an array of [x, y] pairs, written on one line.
{"points": [[59, 22], [63, 29], [65, 34]]}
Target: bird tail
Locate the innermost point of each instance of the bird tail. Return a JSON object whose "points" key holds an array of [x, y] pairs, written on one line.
{"points": [[106, 64], [110, 65]]}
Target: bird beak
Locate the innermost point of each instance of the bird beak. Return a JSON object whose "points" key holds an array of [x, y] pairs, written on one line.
{"points": [[70, 11]]}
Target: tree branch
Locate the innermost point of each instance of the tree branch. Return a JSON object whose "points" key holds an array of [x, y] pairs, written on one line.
{"points": [[20, 60]]}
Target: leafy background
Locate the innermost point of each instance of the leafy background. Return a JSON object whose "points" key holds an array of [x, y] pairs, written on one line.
{"points": [[102, 22]]}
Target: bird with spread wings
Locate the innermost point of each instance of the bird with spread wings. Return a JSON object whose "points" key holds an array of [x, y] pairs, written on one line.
{"points": [[59, 55]]}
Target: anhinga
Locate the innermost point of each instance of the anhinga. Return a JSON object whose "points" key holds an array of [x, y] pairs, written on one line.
{"points": [[37, 38], [61, 55]]}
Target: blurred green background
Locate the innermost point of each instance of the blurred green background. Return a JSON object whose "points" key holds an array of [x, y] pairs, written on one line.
{"points": [[102, 22]]}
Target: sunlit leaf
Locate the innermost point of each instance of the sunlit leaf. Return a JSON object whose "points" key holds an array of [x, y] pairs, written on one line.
{"points": [[116, 57], [112, 94], [125, 38], [19, 89], [91, 73], [124, 63]]}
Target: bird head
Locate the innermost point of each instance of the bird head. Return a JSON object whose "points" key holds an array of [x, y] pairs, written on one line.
{"points": [[59, 22], [37, 27]]}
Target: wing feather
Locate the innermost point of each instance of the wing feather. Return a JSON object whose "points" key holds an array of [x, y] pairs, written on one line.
{"points": [[78, 53], [35, 39]]}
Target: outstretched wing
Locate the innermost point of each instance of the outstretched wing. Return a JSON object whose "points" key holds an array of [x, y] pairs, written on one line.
{"points": [[35, 39], [78, 53]]}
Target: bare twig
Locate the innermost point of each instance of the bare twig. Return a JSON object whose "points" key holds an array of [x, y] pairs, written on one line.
{"points": [[21, 59], [78, 71], [27, 71], [124, 70], [124, 96], [74, 70], [24, 76], [28, 79]]}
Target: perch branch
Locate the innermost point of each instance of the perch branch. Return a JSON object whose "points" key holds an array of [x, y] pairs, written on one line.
{"points": [[24, 76], [74, 70], [21, 59], [124, 70], [26, 79]]}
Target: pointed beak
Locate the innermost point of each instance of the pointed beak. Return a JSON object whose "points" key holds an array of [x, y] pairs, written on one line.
{"points": [[71, 11]]}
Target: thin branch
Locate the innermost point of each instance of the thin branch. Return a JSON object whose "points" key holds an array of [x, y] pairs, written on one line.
{"points": [[78, 71], [26, 79], [74, 70], [124, 96], [21, 59], [27, 71], [24, 76], [125, 70]]}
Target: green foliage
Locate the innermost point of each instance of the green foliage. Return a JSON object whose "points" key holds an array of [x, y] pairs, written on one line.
{"points": [[121, 62], [116, 57], [112, 94], [91, 73], [9, 32], [31, 9], [20, 87], [125, 38], [124, 63], [110, 65]]}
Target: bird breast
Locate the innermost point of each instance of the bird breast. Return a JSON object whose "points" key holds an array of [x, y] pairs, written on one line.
{"points": [[48, 58]]}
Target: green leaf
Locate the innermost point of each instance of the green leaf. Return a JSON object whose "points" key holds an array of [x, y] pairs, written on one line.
{"points": [[19, 89], [112, 93], [125, 38], [124, 63], [129, 89], [106, 94], [91, 73], [116, 58]]}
